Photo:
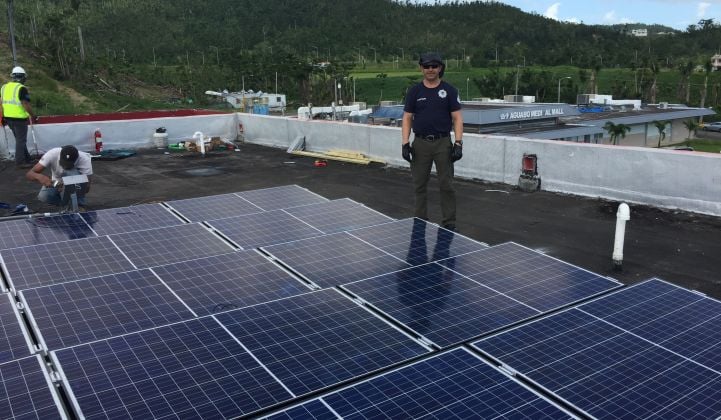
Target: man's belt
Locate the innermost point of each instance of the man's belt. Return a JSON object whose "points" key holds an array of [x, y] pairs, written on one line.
{"points": [[433, 137]]}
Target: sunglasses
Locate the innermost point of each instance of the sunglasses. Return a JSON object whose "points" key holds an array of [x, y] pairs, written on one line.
{"points": [[430, 66]]}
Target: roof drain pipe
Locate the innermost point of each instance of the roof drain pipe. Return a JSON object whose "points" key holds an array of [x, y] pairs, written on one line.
{"points": [[622, 216], [201, 143]]}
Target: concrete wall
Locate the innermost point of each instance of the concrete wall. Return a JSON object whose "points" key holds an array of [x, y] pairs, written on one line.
{"points": [[663, 178], [127, 134]]}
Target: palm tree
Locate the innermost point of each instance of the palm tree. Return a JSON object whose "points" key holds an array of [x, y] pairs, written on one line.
{"points": [[707, 68], [616, 131], [661, 127], [691, 125]]}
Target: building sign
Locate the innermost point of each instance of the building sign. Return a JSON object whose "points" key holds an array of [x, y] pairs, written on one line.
{"points": [[533, 113]]}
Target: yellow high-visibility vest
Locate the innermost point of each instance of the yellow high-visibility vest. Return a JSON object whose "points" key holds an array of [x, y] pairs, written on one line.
{"points": [[12, 107]]}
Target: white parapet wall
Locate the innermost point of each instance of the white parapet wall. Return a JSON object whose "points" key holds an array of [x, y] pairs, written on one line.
{"points": [[657, 177], [125, 134]]}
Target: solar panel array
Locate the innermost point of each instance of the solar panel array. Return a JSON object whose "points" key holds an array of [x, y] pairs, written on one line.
{"points": [[42, 230], [209, 308], [26, 391], [13, 342], [130, 219], [455, 384], [610, 359]]}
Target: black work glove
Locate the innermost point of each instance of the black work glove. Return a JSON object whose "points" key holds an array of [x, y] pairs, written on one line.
{"points": [[407, 152], [456, 152]]}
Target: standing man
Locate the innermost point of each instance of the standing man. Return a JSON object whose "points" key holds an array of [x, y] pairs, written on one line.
{"points": [[17, 113], [432, 108], [62, 161]]}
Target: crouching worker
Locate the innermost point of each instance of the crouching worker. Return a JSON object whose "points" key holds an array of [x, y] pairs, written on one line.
{"points": [[62, 161]]}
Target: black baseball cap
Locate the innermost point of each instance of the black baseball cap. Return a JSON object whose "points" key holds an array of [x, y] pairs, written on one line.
{"points": [[68, 156], [430, 58]]}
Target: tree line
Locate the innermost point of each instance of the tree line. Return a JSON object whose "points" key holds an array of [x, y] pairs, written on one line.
{"points": [[310, 44]]}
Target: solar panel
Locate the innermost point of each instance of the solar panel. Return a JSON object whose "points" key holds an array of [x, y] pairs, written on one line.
{"points": [[82, 311], [417, 241], [338, 215], [42, 230], [537, 280], [229, 281], [334, 259], [440, 305], [13, 342], [266, 228], [213, 207], [313, 409], [26, 391], [41, 265], [455, 384], [130, 219], [318, 339], [281, 197], [678, 319], [605, 371], [147, 248], [192, 369]]}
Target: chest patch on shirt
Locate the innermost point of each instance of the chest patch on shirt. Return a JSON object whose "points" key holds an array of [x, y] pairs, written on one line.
{"points": [[442, 93]]}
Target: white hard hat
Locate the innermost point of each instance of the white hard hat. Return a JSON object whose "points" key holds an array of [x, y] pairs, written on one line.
{"points": [[17, 70]]}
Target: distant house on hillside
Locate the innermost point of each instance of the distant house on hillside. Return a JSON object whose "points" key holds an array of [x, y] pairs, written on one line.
{"points": [[639, 32], [716, 62]]}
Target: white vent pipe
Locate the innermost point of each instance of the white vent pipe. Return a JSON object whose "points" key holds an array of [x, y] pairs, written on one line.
{"points": [[622, 216], [201, 142]]}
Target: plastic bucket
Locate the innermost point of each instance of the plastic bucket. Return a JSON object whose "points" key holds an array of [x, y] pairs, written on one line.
{"points": [[160, 140]]}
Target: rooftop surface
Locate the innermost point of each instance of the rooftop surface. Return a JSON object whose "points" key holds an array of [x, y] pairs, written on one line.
{"points": [[677, 246]]}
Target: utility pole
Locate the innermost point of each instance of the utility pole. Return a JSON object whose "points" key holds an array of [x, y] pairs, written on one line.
{"points": [[518, 71], [11, 29]]}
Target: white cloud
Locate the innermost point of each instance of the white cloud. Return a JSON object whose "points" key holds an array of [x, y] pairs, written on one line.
{"points": [[552, 11], [610, 17], [701, 9]]}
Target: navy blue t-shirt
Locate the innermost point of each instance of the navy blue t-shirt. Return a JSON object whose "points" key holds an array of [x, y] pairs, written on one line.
{"points": [[432, 107]]}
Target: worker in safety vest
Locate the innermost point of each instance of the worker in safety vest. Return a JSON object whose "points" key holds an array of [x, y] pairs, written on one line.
{"points": [[17, 113]]}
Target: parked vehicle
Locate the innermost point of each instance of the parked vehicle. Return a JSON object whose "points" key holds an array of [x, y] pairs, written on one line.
{"points": [[714, 126]]}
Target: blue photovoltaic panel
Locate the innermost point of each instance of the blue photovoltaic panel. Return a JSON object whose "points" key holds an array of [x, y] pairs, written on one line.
{"points": [[417, 241], [606, 371], [25, 391], [213, 207], [282, 197], [676, 318], [439, 304], [13, 344], [230, 281], [539, 281], [42, 230], [313, 409], [456, 384], [266, 228], [130, 219], [41, 265], [147, 248], [87, 310], [318, 339], [338, 215], [190, 370], [335, 259]]}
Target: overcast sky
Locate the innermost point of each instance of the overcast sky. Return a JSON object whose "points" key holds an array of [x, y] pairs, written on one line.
{"points": [[677, 14]]}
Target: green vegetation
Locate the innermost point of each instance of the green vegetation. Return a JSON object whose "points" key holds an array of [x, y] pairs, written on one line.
{"points": [[135, 54], [698, 145]]}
